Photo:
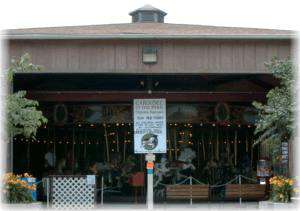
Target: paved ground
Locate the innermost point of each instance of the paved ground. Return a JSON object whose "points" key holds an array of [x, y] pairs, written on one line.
{"points": [[199, 206], [203, 206]]}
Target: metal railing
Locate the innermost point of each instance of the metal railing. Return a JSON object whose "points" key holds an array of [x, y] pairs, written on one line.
{"points": [[189, 180]]}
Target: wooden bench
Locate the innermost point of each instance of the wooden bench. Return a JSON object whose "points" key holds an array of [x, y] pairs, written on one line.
{"points": [[183, 192], [245, 191]]}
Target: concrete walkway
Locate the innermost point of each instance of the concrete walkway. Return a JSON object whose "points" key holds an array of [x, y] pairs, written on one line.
{"points": [[235, 206]]}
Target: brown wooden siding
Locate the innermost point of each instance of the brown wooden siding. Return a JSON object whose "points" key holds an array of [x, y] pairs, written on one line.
{"points": [[173, 56]]}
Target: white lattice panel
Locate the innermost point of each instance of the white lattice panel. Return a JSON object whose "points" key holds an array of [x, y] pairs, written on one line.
{"points": [[72, 192]]}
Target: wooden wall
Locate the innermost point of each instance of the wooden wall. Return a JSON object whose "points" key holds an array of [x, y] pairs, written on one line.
{"points": [[174, 56]]}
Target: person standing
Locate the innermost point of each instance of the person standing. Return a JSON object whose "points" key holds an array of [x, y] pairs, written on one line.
{"points": [[49, 159]]}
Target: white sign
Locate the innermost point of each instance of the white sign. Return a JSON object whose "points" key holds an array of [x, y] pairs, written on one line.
{"points": [[149, 117], [150, 157], [90, 179]]}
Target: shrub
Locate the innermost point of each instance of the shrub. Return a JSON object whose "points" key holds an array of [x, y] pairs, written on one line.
{"points": [[16, 190], [282, 188]]}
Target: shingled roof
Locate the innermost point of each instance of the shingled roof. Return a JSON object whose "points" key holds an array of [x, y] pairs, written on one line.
{"points": [[145, 30]]}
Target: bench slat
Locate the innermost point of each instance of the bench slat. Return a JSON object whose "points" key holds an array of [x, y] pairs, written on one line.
{"points": [[187, 191]]}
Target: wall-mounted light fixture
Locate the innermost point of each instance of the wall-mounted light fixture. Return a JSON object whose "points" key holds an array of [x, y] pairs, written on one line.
{"points": [[149, 55]]}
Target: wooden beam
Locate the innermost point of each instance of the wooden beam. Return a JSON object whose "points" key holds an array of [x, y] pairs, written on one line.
{"points": [[124, 96]]}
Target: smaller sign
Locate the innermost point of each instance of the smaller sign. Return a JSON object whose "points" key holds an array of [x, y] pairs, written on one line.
{"points": [[150, 157], [90, 179], [285, 153], [150, 165], [149, 171]]}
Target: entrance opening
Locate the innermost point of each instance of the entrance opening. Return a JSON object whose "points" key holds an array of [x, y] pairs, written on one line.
{"points": [[208, 137]]}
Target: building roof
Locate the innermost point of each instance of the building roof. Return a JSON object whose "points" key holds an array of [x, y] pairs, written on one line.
{"points": [[148, 31]]}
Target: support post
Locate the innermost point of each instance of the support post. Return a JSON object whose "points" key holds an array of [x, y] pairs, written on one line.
{"points": [[150, 165], [102, 189], [240, 188], [191, 190], [150, 188], [47, 184]]}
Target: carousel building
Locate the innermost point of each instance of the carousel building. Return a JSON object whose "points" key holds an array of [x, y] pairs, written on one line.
{"points": [[209, 76]]}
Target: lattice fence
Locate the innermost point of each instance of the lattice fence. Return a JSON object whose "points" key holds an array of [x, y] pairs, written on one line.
{"points": [[71, 192]]}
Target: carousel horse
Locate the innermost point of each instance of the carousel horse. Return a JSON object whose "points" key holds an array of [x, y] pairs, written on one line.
{"points": [[161, 170], [185, 159]]}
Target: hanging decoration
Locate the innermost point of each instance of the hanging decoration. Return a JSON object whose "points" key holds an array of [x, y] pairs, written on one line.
{"points": [[60, 114], [106, 143], [246, 141], [222, 112], [235, 147], [203, 145], [217, 145], [124, 147]]}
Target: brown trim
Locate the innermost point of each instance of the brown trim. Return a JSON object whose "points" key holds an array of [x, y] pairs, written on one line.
{"points": [[122, 96]]}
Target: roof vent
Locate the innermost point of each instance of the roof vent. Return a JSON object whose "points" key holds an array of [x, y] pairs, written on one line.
{"points": [[148, 14]]}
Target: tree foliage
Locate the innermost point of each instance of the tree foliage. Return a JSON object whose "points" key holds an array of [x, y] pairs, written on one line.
{"points": [[23, 116], [276, 117]]}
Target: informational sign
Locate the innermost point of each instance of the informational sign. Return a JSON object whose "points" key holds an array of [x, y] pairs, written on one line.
{"points": [[90, 179], [149, 125], [285, 152]]}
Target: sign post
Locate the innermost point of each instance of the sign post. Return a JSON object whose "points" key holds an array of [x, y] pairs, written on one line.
{"points": [[150, 158], [149, 135]]}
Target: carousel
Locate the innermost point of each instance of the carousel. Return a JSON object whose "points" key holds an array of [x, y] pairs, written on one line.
{"points": [[211, 142]]}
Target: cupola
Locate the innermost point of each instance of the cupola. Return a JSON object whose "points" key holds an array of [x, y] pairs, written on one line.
{"points": [[148, 14]]}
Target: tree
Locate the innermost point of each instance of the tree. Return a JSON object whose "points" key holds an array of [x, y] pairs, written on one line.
{"points": [[276, 118], [23, 116]]}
